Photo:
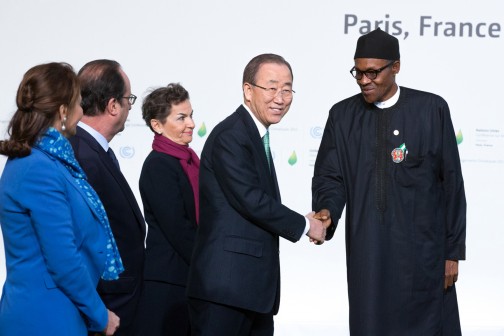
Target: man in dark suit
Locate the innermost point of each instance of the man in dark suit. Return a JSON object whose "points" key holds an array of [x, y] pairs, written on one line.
{"points": [[234, 277], [106, 101]]}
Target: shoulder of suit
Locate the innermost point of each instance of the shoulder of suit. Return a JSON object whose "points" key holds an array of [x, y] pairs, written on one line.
{"points": [[39, 163], [82, 136], [156, 156], [237, 120], [157, 161]]}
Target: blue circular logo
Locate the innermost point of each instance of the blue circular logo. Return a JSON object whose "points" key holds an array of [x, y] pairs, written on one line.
{"points": [[127, 152], [316, 132]]}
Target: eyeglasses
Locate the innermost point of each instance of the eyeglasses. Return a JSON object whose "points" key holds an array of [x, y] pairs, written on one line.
{"points": [[131, 99], [370, 74], [272, 92]]}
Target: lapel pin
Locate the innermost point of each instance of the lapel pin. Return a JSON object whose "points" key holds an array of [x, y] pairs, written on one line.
{"points": [[399, 154]]}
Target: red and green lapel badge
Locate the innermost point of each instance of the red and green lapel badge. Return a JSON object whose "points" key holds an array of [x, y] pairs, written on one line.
{"points": [[399, 154]]}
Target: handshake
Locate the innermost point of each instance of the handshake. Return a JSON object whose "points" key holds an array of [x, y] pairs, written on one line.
{"points": [[319, 222]]}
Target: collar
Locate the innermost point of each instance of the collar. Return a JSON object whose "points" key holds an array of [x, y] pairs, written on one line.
{"points": [[95, 134], [389, 102], [260, 127]]}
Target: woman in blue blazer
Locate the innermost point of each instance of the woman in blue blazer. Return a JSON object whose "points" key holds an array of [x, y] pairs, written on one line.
{"points": [[55, 230], [169, 190]]}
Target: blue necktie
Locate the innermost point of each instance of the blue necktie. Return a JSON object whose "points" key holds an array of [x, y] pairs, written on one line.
{"points": [[110, 153]]}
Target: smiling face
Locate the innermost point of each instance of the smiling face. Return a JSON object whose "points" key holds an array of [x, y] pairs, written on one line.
{"points": [[179, 124], [267, 109], [383, 86]]}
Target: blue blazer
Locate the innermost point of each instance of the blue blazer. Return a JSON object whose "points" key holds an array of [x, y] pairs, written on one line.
{"points": [[54, 251]]}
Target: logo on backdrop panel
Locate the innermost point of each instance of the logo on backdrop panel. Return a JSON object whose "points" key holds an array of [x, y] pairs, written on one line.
{"points": [[127, 152]]}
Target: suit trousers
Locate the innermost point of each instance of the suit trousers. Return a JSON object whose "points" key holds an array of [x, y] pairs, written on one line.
{"points": [[213, 319], [163, 310]]}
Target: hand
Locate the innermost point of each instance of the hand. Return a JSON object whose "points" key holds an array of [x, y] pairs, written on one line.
{"points": [[451, 273], [112, 324], [317, 231], [324, 215]]}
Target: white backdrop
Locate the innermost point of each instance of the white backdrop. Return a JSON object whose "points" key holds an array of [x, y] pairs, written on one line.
{"points": [[205, 45]]}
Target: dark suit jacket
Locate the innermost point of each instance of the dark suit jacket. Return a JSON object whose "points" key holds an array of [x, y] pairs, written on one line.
{"points": [[236, 257], [127, 223], [168, 202]]}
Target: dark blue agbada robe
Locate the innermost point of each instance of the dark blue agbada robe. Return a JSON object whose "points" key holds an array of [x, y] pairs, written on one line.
{"points": [[403, 220]]}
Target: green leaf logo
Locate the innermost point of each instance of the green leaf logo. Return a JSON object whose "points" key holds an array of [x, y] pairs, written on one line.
{"points": [[293, 158], [459, 137], [202, 130]]}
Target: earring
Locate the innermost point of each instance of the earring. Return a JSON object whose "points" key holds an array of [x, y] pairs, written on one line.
{"points": [[160, 132], [63, 121]]}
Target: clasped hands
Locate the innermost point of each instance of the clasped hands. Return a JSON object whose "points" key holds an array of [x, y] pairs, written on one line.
{"points": [[319, 222]]}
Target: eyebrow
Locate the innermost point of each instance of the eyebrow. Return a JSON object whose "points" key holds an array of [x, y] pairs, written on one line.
{"points": [[370, 68], [367, 69], [184, 114]]}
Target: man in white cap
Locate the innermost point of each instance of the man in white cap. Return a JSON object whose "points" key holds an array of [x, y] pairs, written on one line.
{"points": [[390, 155]]}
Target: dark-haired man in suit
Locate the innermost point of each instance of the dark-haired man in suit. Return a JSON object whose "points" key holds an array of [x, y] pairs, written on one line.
{"points": [[106, 101], [234, 278]]}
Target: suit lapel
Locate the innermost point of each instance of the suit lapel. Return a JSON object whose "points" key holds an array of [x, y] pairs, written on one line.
{"points": [[104, 157], [114, 171], [266, 175], [71, 180]]}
